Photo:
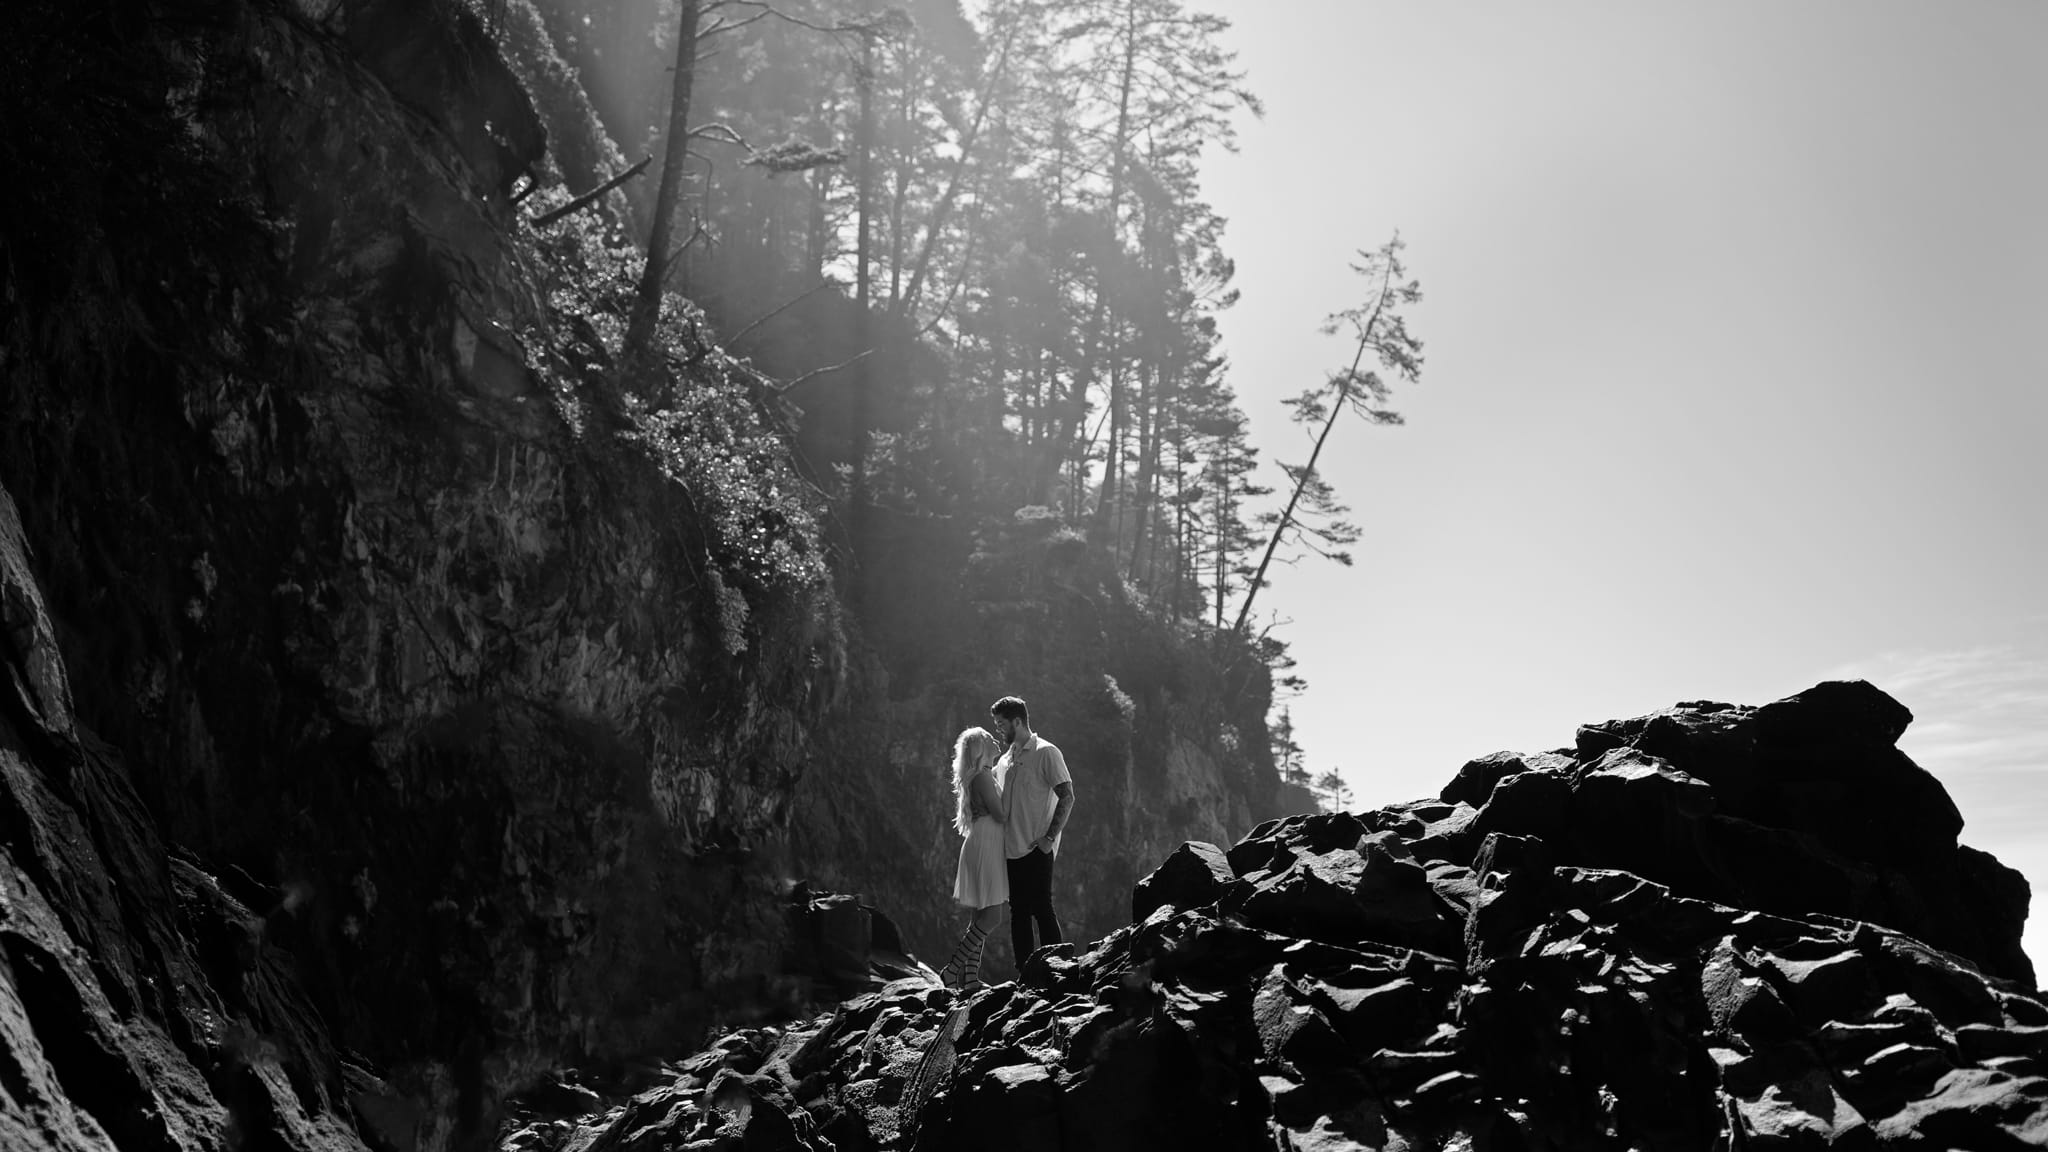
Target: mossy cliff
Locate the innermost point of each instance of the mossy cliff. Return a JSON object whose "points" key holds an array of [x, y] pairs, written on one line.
{"points": [[400, 706]]}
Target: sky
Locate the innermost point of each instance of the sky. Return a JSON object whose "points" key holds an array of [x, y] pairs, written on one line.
{"points": [[1735, 374]]}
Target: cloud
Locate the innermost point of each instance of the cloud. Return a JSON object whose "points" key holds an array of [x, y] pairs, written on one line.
{"points": [[1980, 723], [1975, 710]]}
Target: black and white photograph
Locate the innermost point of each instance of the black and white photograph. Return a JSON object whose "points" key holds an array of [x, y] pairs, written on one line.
{"points": [[1023, 575]]}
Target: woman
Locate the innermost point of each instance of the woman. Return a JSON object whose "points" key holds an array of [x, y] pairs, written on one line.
{"points": [[982, 881]]}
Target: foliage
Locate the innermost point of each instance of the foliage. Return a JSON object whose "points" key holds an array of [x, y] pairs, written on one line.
{"points": [[710, 425], [794, 155], [1335, 792]]}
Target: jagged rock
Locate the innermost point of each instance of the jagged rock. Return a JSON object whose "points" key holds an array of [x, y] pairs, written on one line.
{"points": [[1473, 784], [1302, 988], [1195, 875], [141, 1005], [1533, 803], [845, 945]]}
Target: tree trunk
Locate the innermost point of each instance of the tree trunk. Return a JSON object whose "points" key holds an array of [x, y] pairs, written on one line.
{"points": [[1187, 565], [900, 192], [654, 274], [863, 293], [1112, 449], [1223, 513], [1148, 461], [820, 184], [1153, 396]]}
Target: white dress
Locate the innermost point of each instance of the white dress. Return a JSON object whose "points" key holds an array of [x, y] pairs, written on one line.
{"points": [[984, 875]]}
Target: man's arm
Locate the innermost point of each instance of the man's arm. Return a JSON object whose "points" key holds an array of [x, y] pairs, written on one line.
{"points": [[1061, 809]]}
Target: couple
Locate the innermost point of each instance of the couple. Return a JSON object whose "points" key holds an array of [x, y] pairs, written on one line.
{"points": [[1011, 809]]}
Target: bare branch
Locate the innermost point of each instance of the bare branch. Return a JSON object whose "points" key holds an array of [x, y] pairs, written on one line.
{"points": [[816, 372], [719, 131], [592, 196], [820, 286], [876, 26], [732, 25]]}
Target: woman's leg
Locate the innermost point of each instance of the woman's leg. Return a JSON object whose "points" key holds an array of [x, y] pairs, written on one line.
{"points": [[965, 966], [984, 922]]}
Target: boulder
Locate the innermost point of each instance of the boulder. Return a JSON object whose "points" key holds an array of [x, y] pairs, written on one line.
{"points": [[1194, 876], [1475, 780]]}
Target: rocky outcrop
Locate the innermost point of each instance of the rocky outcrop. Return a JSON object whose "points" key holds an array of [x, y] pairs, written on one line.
{"points": [[1478, 971], [1804, 805]]}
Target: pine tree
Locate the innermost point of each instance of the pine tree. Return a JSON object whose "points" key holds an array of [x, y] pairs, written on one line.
{"points": [[1287, 754], [1312, 514]]}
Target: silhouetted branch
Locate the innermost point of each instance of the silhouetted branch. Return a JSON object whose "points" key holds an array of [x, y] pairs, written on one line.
{"points": [[733, 25], [720, 131], [592, 196], [878, 25], [816, 372], [675, 259], [821, 285]]}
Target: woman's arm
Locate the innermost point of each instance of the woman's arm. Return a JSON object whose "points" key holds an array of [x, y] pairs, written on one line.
{"points": [[983, 786]]}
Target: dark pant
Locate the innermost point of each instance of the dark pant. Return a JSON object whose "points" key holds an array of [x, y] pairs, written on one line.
{"points": [[1031, 903]]}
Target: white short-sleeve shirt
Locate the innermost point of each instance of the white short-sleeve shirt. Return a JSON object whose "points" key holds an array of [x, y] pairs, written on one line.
{"points": [[1028, 773]]}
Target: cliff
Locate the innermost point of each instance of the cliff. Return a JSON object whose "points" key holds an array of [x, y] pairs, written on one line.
{"points": [[401, 708], [1610, 946]]}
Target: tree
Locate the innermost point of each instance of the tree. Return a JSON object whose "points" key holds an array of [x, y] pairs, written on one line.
{"points": [[1227, 469], [1335, 789], [1380, 329], [654, 273], [1287, 754], [863, 302]]}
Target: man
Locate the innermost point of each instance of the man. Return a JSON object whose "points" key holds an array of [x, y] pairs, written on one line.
{"points": [[1038, 796]]}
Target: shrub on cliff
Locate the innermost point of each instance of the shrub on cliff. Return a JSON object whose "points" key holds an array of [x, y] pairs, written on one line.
{"points": [[710, 424]]}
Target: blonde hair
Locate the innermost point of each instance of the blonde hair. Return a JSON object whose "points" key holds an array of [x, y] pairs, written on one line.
{"points": [[971, 749]]}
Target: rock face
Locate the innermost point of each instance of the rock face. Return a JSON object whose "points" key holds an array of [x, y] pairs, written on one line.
{"points": [[1562, 953], [142, 1003], [448, 683]]}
